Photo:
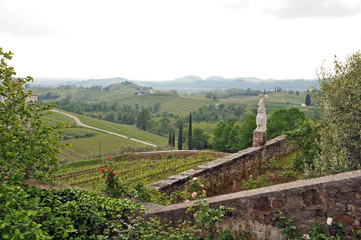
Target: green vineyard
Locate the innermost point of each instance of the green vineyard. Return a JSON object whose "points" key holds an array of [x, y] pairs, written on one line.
{"points": [[146, 168]]}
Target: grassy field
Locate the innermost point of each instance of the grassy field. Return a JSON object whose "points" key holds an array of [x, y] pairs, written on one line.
{"points": [[147, 168], [127, 130], [56, 118], [87, 143]]}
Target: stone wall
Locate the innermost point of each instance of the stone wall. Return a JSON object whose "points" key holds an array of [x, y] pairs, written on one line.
{"points": [[224, 171], [308, 200]]}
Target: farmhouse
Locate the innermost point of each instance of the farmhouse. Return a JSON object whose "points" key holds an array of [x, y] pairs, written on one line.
{"points": [[32, 98], [145, 92]]}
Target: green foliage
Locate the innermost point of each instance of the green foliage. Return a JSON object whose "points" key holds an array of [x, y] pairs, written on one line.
{"points": [[308, 99], [284, 120], [288, 226], [196, 189], [232, 136], [205, 218], [356, 232], [147, 168], [200, 138], [190, 131], [271, 165], [273, 172], [320, 230], [214, 113], [180, 138], [143, 119], [31, 213], [28, 147], [288, 175], [19, 215], [245, 134], [173, 139], [253, 182], [114, 187], [340, 128], [305, 135]]}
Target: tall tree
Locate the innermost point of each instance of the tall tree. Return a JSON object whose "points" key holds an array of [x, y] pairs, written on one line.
{"points": [[284, 120], [245, 133], [173, 139], [180, 138], [142, 119], [306, 136], [233, 136], [28, 147], [340, 128], [170, 139], [308, 100], [200, 138], [190, 147]]}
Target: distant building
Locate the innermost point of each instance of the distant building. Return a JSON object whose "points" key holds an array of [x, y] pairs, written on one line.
{"points": [[145, 92], [113, 88], [33, 97]]}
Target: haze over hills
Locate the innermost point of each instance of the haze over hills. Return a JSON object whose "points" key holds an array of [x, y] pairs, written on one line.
{"points": [[193, 82]]}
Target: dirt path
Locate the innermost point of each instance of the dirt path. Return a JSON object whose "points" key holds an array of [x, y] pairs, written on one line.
{"points": [[77, 120]]}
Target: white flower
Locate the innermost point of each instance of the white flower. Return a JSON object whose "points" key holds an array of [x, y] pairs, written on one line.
{"points": [[329, 221], [195, 179]]}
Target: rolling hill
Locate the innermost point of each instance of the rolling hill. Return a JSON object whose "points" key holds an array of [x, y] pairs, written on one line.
{"points": [[88, 143]]}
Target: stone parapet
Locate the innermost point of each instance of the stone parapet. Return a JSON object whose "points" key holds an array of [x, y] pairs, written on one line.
{"points": [[310, 200], [226, 170]]}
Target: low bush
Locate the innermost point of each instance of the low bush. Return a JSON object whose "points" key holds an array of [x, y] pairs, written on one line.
{"points": [[33, 213]]}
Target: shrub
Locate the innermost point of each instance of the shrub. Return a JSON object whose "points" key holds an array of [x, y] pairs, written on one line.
{"points": [[340, 128], [28, 148], [32, 213]]}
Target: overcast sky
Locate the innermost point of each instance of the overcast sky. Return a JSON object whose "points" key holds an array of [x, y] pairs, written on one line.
{"points": [[168, 39]]}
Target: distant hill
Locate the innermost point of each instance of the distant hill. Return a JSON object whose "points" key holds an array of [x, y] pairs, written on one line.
{"points": [[197, 83], [217, 82], [103, 82]]}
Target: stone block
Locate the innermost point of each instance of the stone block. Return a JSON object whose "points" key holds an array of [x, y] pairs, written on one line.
{"points": [[259, 138]]}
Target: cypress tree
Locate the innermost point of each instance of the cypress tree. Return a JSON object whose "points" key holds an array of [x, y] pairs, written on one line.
{"points": [[170, 139], [173, 139], [308, 100], [180, 138], [190, 147]]}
